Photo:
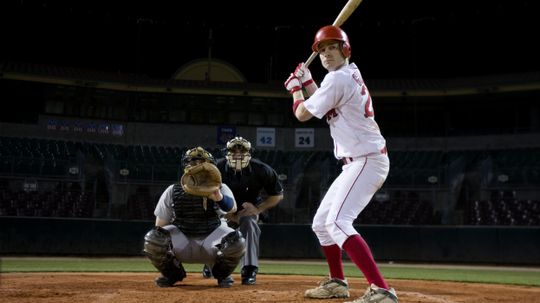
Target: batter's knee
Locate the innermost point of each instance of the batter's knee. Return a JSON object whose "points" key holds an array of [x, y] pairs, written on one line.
{"points": [[338, 225], [340, 230], [331, 227], [319, 229]]}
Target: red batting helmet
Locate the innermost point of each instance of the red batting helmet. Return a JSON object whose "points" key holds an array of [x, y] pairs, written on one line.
{"points": [[331, 32]]}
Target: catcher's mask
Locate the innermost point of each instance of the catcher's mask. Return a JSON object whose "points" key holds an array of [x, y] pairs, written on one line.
{"points": [[331, 32], [238, 153], [197, 153]]}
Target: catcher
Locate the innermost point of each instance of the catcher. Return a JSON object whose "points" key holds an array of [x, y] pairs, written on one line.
{"points": [[188, 225]]}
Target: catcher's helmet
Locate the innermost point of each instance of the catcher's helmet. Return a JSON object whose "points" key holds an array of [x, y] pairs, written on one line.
{"points": [[331, 32], [241, 160], [197, 153]]}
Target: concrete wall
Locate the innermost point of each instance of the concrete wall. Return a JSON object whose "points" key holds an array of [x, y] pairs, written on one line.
{"points": [[457, 244]]}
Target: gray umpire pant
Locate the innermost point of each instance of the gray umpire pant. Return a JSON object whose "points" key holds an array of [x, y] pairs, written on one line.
{"points": [[251, 231]]}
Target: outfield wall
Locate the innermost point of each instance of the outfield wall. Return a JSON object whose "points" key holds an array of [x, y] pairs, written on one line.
{"points": [[442, 244]]}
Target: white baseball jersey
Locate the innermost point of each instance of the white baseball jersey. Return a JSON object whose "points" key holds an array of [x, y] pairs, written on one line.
{"points": [[345, 101]]}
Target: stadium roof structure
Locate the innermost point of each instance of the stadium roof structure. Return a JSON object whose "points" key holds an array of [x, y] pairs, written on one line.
{"points": [[379, 87]]}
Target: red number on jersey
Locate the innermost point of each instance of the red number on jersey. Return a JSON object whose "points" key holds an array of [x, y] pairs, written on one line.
{"points": [[368, 109], [331, 114]]}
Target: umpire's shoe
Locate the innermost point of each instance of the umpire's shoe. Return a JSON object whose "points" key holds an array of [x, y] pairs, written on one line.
{"points": [[249, 274], [206, 272]]}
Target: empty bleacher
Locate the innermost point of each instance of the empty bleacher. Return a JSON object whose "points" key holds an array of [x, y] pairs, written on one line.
{"points": [[46, 204], [416, 180]]}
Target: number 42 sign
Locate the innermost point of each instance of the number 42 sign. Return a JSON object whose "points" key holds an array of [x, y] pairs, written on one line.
{"points": [[266, 137]]}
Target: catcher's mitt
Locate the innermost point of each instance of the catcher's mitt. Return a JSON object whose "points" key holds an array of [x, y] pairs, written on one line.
{"points": [[201, 179]]}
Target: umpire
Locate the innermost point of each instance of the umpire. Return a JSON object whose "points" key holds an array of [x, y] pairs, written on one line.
{"points": [[189, 229], [248, 178]]}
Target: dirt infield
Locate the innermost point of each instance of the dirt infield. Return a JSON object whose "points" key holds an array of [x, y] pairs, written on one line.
{"points": [[133, 287]]}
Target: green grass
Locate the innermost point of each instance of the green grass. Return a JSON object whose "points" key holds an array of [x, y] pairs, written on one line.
{"points": [[518, 276], [75, 265]]}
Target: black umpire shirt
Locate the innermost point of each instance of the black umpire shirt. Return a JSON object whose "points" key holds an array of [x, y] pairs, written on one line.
{"points": [[248, 184]]}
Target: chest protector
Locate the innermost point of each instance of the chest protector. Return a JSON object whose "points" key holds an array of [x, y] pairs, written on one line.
{"points": [[190, 216]]}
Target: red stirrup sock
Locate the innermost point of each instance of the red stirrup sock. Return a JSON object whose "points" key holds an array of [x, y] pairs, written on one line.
{"points": [[333, 257], [360, 254]]}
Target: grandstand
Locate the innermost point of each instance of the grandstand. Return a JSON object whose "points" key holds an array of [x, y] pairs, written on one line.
{"points": [[96, 145]]}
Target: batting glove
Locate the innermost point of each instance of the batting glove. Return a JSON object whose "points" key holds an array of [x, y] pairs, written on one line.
{"points": [[293, 84], [303, 74]]}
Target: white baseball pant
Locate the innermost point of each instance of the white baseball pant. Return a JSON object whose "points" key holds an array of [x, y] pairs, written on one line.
{"points": [[348, 195]]}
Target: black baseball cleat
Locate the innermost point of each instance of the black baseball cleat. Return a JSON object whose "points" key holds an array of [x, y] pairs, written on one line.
{"points": [[249, 274], [206, 272], [225, 282], [163, 281]]}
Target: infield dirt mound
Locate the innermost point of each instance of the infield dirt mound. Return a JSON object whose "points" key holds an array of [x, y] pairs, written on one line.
{"points": [[139, 287]]}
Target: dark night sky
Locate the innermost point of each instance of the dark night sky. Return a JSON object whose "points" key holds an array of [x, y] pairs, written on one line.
{"points": [[266, 39]]}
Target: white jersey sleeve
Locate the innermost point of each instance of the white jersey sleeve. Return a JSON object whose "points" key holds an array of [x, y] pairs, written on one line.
{"points": [[164, 206], [325, 97]]}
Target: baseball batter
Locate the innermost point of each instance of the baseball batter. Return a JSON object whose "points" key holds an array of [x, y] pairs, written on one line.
{"points": [[344, 101], [189, 229]]}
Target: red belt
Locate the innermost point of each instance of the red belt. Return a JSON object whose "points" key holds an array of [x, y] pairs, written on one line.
{"points": [[348, 160]]}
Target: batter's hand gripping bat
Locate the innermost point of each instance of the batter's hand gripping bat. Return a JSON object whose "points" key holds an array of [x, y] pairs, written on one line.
{"points": [[345, 13]]}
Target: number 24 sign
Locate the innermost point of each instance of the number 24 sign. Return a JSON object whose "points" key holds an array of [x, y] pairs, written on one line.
{"points": [[304, 137]]}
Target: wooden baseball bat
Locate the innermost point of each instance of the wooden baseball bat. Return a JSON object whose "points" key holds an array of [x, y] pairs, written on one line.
{"points": [[345, 13]]}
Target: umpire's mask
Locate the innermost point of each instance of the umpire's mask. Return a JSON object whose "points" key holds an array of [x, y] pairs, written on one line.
{"points": [[238, 153]]}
